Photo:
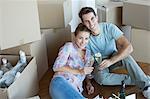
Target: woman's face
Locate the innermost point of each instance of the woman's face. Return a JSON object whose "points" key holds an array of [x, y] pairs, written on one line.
{"points": [[82, 39]]}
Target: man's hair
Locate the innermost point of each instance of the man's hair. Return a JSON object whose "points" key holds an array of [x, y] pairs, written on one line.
{"points": [[80, 28], [86, 10]]}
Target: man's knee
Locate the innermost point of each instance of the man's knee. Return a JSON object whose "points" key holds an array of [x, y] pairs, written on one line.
{"points": [[128, 58], [101, 77]]}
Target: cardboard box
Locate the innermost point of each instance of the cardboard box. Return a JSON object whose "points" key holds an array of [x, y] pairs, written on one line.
{"points": [[54, 13], [110, 12], [137, 14], [27, 83], [36, 49], [140, 40], [35, 97], [55, 38], [19, 23]]}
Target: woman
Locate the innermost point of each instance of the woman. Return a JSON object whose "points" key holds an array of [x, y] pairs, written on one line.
{"points": [[71, 66]]}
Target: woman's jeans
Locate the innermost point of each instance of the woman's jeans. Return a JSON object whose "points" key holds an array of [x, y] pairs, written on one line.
{"points": [[135, 74], [62, 89]]}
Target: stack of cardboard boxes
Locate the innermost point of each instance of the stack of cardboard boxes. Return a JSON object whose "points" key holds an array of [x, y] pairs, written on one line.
{"points": [[136, 13], [20, 30], [20, 24]]}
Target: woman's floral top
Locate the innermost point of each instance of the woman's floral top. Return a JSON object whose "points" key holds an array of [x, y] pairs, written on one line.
{"points": [[69, 56]]}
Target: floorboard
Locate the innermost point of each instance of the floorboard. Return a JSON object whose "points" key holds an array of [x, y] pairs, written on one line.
{"points": [[101, 90]]}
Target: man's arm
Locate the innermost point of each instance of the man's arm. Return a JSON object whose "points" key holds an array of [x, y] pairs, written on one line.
{"points": [[124, 49]]}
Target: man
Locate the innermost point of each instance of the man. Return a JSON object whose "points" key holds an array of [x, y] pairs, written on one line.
{"points": [[108, 40]]}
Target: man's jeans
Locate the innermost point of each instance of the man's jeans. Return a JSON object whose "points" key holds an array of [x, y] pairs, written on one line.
{"points": [[61, 89], [135, 74]]}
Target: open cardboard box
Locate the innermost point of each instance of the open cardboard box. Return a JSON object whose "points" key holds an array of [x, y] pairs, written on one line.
{"points": [[26, 85], [35, 97], [36, 49]]}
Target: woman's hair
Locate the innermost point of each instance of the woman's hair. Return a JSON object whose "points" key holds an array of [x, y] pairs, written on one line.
{"points": [[80, 28], [86, 10]]}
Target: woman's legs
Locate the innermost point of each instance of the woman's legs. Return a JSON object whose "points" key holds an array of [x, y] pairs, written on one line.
{"points": [[61, 89]]}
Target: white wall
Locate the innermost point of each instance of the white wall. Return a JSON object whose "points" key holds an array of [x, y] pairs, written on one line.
{"points": [[76, 6], [101, 1]]}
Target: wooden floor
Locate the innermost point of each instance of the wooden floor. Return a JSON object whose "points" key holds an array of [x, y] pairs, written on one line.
{"points": [[44, 85], [101, 90]]}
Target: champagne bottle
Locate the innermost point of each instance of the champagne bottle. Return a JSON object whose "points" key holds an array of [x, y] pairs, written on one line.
{"points": [[122, 93]]}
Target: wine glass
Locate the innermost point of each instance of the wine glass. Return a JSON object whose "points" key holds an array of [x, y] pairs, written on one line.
{"points": [[95, 60], [90, 76]]}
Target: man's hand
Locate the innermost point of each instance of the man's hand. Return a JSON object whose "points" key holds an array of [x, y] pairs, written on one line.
{"points": [[90, 88], [105, 63]]}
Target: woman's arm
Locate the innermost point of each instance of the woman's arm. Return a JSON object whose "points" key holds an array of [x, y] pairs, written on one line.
{"points": [[83, 71], [69, 69]]}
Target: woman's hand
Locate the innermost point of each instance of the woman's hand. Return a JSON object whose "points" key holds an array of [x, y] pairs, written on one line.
{"points": [[87, 70], [89, 88]]}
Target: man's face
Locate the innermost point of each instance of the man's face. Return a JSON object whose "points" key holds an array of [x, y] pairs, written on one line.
{"points": [[90, 21]]}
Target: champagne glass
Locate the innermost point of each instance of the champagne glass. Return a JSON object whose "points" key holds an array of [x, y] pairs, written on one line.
{"points": [[97, 61], [90, 76], [97, 58]]}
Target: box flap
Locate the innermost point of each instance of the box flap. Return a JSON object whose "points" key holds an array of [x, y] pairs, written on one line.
{"points": [[27, 84], [15, 50], [3, 93], [20, 23]]}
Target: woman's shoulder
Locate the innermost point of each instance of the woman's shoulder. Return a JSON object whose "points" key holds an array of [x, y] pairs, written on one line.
{"points": [[66, 47], [68, 44]]}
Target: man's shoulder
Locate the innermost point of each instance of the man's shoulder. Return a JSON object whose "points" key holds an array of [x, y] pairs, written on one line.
{"points": [[106, 24]]}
